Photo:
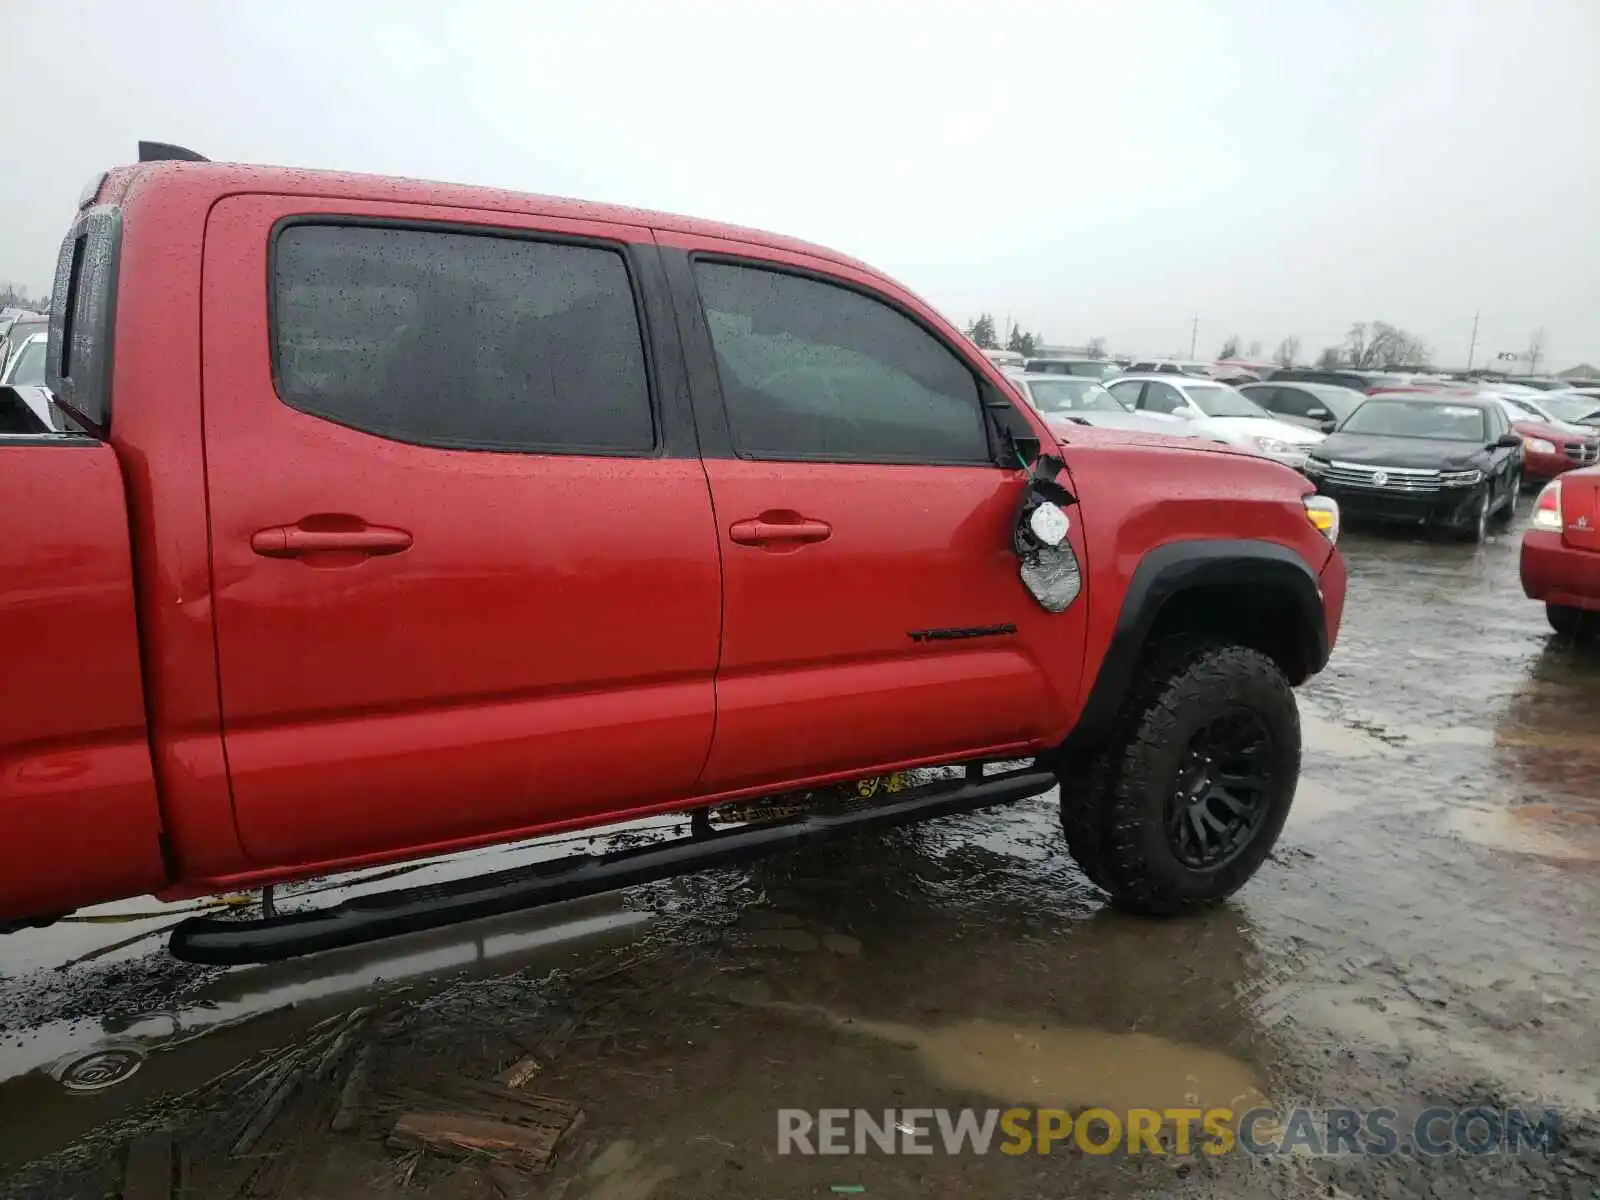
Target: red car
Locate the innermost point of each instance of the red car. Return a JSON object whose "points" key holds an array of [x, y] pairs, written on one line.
{"points": [[1561, 553], [399, 518]]}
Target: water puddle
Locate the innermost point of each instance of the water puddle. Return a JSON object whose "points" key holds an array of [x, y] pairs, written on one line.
{"points": [[1548, 831], [1066, 1068], [71, 1076]]}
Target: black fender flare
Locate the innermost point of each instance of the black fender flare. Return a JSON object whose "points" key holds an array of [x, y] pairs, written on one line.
{"points": [[1167, 571]]}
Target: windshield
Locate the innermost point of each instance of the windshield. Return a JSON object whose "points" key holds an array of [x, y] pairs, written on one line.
{"points": [[1571, 408], [29, 367], [1219, 400], [1519, 410], [1418, 419], [1070, 394]]}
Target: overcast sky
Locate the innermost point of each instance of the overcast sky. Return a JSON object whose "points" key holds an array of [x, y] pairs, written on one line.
{"points": [[1279, 168]]}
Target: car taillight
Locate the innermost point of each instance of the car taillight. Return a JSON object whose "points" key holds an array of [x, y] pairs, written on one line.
{"points": [[1547, 508]]}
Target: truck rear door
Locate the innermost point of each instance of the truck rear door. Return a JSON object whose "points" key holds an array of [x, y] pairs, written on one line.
{"points": [[465, 566], [873, 611], [79, 821]]}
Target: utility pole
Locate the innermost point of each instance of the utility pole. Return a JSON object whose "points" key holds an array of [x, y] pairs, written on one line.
{"points": [[1473, 345], [1194, 334]]}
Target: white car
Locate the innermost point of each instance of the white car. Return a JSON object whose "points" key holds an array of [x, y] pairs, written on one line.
{"points": [[23, 376], [1083, 401], [1215, 412]]}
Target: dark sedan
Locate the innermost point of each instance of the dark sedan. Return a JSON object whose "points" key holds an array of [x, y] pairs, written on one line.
{"points": [[1442, 461]]}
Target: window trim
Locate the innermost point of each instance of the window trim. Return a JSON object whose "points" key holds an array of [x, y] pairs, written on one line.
{"points": [[623, 250], [979, 380]]}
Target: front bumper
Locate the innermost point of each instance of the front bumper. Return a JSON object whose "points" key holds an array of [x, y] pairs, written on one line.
{"points": [[1541, 468], [1434, 506], [1557, 573]]}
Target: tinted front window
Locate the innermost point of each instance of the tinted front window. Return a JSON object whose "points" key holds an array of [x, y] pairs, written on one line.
{"points": [[1162, 398], [461, 340], [1418, 419], [1071, 395], [1339, 401], [811, 370]]}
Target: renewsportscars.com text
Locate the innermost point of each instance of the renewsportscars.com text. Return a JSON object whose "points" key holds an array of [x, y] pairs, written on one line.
{"points": [[1433, 1133]]}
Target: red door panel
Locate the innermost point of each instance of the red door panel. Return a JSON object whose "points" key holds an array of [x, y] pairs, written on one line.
{"points": [[846, 583], [418, 645], [820, 671], [79, 822]]}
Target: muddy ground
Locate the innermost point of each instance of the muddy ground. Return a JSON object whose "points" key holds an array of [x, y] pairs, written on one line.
{"points": [[1424, 934]]}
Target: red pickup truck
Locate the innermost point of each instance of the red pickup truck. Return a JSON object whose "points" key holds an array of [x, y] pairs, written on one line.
{"points": [[388, 518], [1561, 553]]}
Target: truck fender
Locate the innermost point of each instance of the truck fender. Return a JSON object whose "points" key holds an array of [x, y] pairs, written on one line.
{"points": [[1269, 577]]}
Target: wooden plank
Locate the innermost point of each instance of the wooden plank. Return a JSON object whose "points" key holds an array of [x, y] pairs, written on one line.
{"points": [[519, 1073], [460, 1135]]}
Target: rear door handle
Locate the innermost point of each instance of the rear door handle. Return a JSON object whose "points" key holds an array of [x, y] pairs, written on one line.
{"points": [[759, 531], [293, 541]]}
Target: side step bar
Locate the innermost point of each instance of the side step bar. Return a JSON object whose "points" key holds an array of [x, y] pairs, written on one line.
{"points": [[362, 919]]}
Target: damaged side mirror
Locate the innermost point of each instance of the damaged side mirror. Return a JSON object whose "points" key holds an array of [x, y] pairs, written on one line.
{"points": [[1049, 565]]}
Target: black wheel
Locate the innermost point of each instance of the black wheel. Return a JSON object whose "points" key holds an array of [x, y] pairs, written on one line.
{"points": [[1477, 528], [1187, 800], [1508, 508], [1572, 622]]}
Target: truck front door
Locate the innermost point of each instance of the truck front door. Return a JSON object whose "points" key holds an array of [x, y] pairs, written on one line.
{"points": [[873, 612]]}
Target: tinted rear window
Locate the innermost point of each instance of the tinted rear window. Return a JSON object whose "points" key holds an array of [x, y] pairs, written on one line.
{"points": [[461, 340]]}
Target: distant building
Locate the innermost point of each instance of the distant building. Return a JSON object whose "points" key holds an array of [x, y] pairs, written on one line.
{"points": [[1581, 371]]}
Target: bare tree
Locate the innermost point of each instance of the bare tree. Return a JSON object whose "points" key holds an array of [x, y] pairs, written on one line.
{"points": [[1379, 344], [1535, 350], [1096, 347], [1255, 350], [1230, 348], [1288, 351], [1330, 358]]}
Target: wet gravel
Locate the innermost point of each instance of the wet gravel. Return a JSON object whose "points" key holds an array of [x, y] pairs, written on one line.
{"points": [[1423, 935]]}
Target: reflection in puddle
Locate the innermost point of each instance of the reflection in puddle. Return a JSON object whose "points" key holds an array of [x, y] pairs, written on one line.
{"points": [[1068, 1068], [1539, 830]]}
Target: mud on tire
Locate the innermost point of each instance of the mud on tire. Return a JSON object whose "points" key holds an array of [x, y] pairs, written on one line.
{"points": [[1129, 811]]}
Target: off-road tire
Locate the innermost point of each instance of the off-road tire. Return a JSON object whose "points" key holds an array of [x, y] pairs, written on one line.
{"points": [[1572, 622], [1113, 805]]}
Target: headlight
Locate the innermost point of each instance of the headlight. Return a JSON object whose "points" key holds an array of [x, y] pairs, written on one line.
{"points": [[1547, 508], [1469, 478], [1538, 445], [1323, 512], [1314, 466], [1269, 445]]}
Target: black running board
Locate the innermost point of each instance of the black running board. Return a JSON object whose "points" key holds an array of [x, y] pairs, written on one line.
{"points": [[363, 919]]}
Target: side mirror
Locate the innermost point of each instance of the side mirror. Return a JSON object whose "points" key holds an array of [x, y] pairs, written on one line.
{"points": [[1320, 414], [1184, 414], [1508, 441]]}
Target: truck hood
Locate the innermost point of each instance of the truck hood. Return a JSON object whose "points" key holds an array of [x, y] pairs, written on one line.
{"points": [[1142, 422], [1375, 450], [1077, 434]]}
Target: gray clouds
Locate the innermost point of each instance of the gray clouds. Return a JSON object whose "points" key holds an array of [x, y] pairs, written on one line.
{"points": [[1089, 168]]}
